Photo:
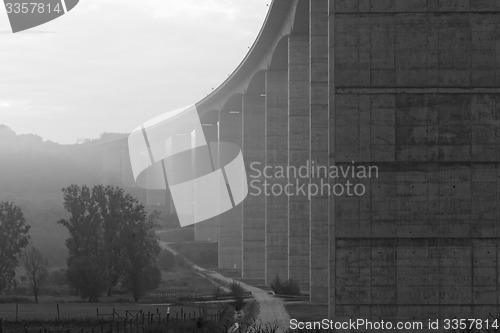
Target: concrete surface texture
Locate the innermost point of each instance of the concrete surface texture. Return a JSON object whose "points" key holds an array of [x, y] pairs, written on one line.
{"points": [[414, 89]]}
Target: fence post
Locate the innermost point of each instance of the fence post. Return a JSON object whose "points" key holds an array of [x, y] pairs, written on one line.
{"points": [[1, 325], [58, 313], [17, 312]]}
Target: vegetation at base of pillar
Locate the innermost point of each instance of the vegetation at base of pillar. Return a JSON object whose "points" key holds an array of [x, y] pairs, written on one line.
{"points": [[112, 242], [37, 270], [13, 238], [238, 294], [289, 287]]}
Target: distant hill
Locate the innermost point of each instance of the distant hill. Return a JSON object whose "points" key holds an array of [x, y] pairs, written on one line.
{"points": [[33, 172]]}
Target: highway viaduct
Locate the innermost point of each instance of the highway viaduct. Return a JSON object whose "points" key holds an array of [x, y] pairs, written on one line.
{"points": [[409, 86]]}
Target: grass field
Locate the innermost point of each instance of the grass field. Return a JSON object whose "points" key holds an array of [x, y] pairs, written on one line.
{"points": [[204, 254], [48, 311], [184, 281], [304, 311], [179, 283]]}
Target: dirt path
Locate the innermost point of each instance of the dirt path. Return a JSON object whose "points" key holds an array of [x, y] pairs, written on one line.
{"points": [[272, 311]]}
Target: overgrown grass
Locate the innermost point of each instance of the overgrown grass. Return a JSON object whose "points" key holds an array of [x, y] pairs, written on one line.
{"points": [[288, 287], [204, 254], [305, 311], [202, 325]]}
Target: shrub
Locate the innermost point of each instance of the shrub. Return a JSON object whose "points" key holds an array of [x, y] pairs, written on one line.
{"points": [[277, 285], [20, 291], [15, 299], [55, 291], [289, 287], [57, 277], [238, 293]]}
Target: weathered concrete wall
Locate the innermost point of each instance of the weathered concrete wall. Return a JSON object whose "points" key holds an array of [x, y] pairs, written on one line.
{"points": [[414, 93], [276, 207], [299, 153], [254, 144]]}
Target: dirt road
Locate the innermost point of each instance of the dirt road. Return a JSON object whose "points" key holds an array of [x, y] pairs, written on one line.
{"points": [[272, 311]]}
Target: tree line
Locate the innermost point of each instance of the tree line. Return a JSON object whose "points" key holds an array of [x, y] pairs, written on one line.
{"points": [[111, 244]]}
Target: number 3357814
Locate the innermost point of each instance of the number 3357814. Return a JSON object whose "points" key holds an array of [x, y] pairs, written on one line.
{"points": [[32, 8]]}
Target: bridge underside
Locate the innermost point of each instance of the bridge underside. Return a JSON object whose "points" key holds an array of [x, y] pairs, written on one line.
{"points": [[409, 87]]}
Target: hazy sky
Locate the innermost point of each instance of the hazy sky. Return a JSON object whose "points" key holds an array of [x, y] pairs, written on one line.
{"points": [[109, 65]]}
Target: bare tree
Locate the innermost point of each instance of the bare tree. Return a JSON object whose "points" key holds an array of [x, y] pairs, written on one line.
{"points": [[36, 269]]}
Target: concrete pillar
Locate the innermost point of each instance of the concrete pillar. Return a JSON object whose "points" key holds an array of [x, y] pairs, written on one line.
{"points": [[319, 205], [230, 226], [276, 156], [299, 151], [332, 232], [254, 144], [208, 231]]}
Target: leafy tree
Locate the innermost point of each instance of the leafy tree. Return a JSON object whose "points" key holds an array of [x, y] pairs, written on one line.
{"points": [[113, 206], [140, 253], [238, 294], [85, 246], [37, 270], [111, 241], [85, 275], [13, 238]]}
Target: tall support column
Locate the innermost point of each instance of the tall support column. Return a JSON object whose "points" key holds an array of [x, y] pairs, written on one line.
{"points": [[230, 226], [276, 156], [319, 204], [254, 145], [332, 244], [207, 231], [299, 144]]}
